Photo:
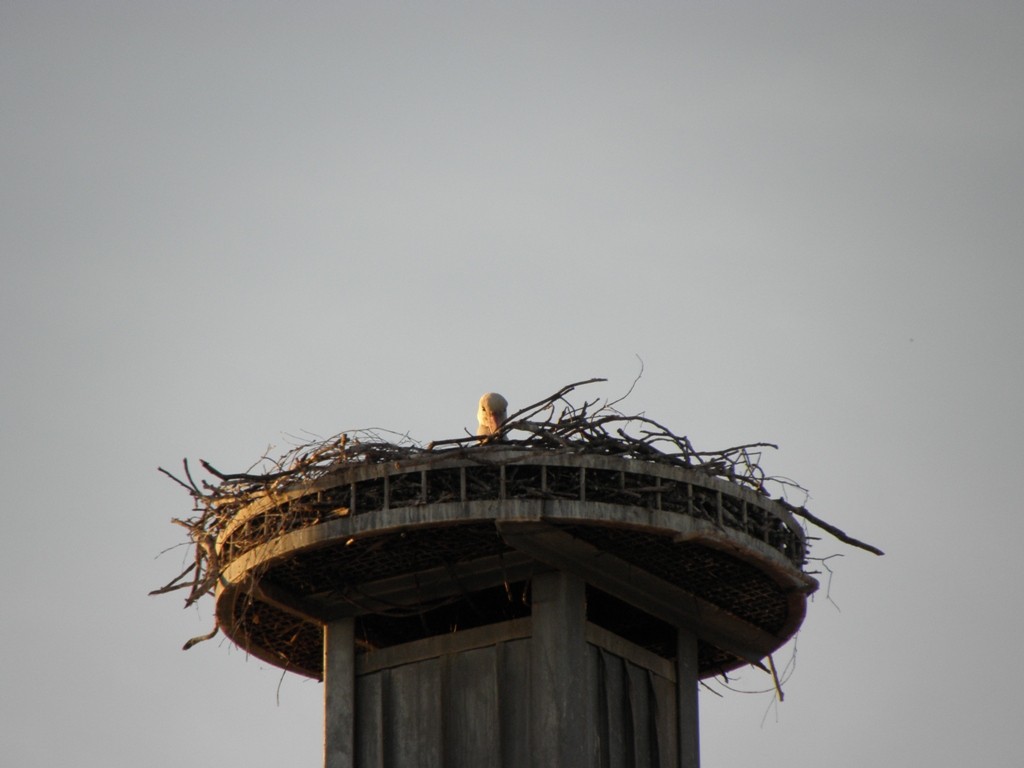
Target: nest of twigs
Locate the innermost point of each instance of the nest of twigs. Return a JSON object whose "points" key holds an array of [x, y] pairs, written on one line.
{"points": [[551, 424]]}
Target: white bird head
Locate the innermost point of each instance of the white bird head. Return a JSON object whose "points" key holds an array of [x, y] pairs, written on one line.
{"points": [[492, 411]]}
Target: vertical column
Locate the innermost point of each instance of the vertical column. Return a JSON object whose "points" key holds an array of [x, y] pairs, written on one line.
{"points": [[558, 670], [339, 694], [686, 698]]}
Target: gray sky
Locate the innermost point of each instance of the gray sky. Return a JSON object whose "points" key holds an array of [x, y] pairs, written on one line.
{"points": [[225, 226]]}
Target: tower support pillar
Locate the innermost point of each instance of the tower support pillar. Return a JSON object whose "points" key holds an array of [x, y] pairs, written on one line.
{"points": [[339, 694], [687, 682], [558, 671]]}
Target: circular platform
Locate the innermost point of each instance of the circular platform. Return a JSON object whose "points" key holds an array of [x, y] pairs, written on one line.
{"points": [[436, 544]]}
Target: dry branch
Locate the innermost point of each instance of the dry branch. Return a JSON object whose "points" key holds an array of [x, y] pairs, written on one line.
{"points": [[829, 528]]}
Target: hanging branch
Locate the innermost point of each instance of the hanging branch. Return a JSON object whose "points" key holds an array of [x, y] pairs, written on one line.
{"points": [[829, 528], [173, 585], [775, 677], [200, 638]]}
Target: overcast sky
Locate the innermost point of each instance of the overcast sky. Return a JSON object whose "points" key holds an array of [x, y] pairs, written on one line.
{"points": [[226, 226]]}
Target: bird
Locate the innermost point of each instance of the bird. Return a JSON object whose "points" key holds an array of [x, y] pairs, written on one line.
{"points": [[492, 411]]}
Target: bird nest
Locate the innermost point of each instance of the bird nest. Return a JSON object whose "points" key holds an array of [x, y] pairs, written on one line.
{"points": [[554, 424]]}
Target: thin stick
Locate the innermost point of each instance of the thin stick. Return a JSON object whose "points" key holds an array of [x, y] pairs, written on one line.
{"points": [[775, 677]]}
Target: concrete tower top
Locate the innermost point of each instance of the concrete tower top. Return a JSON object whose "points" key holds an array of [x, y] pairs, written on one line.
{"points": [[434, 543]]}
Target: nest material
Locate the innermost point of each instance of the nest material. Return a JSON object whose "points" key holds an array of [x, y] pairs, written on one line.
{"points": [[551, 424]]}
